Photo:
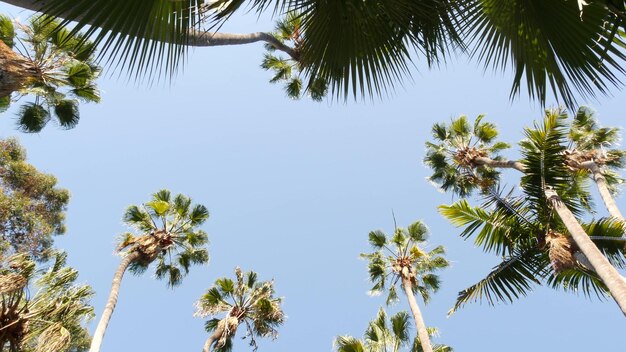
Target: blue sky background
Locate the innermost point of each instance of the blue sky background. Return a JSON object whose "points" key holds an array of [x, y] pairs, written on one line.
{"points": [[293, 188]]}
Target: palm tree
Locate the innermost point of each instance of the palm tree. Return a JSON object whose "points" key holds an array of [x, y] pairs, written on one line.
{"points": [[51, 64], [168, 235], [381, 336], [51, 319], [244, 301], [588, 153], [365, 48], [536, 243], [401, 259]]}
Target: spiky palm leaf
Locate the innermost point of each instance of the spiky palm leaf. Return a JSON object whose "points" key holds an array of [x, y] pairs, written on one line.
{"points": [[244, 300], [51, 319], [168, 235]]}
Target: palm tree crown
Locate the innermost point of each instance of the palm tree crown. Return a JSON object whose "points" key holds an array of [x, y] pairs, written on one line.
{"points": [[60, 72], [459, 155], [400, 257], [168, 234], [525, 231], [51, 319], [244, 301], [386, 336]]}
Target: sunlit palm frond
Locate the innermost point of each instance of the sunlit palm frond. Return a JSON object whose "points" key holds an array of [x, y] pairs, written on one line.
{"points": [[550, 46]]}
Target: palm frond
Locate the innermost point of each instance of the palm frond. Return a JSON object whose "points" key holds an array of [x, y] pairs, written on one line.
{"points": [[506, 282], [549, 45]]}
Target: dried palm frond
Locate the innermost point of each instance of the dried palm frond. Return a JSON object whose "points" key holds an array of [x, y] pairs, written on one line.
{"points": [[561, 251], [54, 338], [11, 282]]}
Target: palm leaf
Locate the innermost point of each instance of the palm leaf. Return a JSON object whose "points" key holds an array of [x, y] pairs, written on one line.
{"points": [[144, 37], [549, 44], [507, 281]]}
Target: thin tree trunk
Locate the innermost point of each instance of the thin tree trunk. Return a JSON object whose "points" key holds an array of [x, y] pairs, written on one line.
{"points": [[211, 340], [422, 331], [507, 164], [603, 189], [607, 273], [98, 335]]}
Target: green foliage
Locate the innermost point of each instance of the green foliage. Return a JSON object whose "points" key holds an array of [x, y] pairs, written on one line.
{"points": [[366, 48], [454, 155], [147, 38], [243, 301], [7, 31], [522, 229], [45, 306], [65, 73], [386, 335], [401, 257], [168, 235], [32, 207], [549, 45], [289, 71]]}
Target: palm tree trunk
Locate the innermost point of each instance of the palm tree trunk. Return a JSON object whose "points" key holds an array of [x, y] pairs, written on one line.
{"points": [[422, 332], [603, 189], [15, 70], [607, 273], [98, 335], [211, 340], [506, 164]]}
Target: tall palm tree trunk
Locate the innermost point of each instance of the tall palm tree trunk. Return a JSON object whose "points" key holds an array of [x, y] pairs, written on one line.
{"points": [[211, 340], [603, 189], [607, 273], [98, 335], [422, 332]]}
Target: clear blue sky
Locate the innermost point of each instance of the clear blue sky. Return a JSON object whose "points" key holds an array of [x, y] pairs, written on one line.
{"points": [[293, 188]]}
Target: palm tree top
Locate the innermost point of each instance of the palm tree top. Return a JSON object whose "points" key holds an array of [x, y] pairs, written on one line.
{"points": [[168, 232], [44, 309], [60, 72], [400, 257], [522, 229], [386, 334], [458, 153], [243, 300]]}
